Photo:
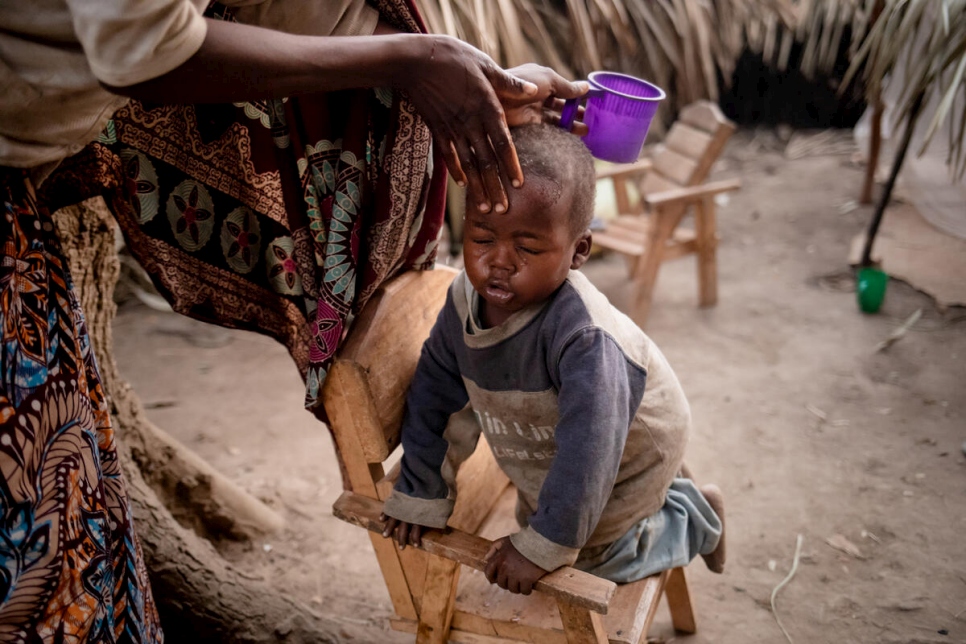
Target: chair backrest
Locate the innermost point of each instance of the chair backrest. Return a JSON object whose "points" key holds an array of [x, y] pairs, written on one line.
{"points": [[690, 149], [378, 358]]}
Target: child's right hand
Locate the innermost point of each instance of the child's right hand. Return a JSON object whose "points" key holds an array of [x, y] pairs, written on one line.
{"points": [[401, 532]]}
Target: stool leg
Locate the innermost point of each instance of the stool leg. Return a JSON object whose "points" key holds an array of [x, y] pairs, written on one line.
{"points": [[679, 601], [439, 599], [707, 238], [581, 625]]}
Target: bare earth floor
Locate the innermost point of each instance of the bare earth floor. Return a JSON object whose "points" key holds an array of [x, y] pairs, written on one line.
{"points": [[807, 430]]}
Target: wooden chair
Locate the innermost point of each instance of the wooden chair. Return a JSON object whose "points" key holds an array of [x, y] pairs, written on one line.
{"points": [[670, 183], [364, 395]]}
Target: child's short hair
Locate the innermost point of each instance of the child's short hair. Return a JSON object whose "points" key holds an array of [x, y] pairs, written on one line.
{"points": [[554, 155]]}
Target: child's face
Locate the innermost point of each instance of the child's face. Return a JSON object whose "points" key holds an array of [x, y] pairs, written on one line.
{"points": [[522, 256]]}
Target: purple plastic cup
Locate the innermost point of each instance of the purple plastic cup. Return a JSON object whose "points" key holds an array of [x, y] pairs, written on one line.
{"points": [[618, 114]]}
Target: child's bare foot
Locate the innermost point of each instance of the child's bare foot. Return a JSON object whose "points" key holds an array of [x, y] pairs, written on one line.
{"points": [[716, 559]]}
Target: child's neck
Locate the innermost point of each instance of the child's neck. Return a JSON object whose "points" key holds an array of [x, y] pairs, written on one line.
{"points": [[488, 316]]}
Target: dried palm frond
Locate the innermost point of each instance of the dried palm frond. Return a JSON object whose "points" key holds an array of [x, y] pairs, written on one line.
{"points": [[931, 37], [685, 46]]}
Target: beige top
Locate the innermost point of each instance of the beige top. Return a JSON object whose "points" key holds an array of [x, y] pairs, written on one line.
{"points": [[55, 53]]}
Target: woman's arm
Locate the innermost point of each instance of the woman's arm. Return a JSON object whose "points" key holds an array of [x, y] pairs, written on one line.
{"points": [[455, 87]]}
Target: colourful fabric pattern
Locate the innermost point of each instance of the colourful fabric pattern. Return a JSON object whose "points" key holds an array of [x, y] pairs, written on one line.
{"points": [[70, 567], [279, 216]]}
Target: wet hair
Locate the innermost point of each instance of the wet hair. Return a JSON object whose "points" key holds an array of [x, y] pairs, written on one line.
{"points": [[563, 167]]}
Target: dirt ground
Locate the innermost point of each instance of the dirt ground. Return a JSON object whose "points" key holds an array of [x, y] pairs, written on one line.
{"points": [[806, 428]]}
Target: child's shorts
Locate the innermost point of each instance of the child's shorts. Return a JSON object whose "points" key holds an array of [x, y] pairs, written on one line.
{"points": [[682, 529]]}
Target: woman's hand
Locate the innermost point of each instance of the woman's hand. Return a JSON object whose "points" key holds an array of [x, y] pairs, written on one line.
{"points": [[510, 570], [458, 90], [544, 106]]}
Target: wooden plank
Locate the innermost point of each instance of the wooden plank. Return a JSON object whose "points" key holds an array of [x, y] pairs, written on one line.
{"points": [[618, 243], [640, 225], [346, 425], [703, 115], [622, 196], [624, 169], [385, 342], [655, 182], [413, 560], [350, 416], [581, 625], [679, 249], [708, 117], [576, 587], [439, 595], [523, 628], [707, 243], [349, 402], [679, 601], [393, 574], [624, 621], [688, 140], [385, 484], [665, 221], [633, 609], [482, 607], [712, 153], [675, 166], [690, 194]]}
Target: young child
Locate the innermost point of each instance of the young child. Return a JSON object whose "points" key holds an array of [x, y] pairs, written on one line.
{"points": [[580, 408]]}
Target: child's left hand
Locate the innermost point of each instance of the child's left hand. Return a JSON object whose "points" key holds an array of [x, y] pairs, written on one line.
{"points": [[510, 570]]}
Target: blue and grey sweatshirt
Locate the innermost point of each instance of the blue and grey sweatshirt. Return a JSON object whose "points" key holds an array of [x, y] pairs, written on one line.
{"points": [[579, 407]]}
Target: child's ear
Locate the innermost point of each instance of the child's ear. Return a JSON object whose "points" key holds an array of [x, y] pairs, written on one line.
{"points": [[582, 249]]}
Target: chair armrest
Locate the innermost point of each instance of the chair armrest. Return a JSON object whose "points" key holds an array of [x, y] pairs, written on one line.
{"points": [[616, 171], [567, 584], [692, 194]]}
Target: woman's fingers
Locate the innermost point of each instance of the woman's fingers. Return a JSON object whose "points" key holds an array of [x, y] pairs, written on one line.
{"points": [[451, 159], [499, 137], [476, 196], [489, 175]]}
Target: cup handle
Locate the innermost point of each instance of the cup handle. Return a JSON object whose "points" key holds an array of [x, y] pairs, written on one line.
{"points": [[572, 105], [569, 113]]}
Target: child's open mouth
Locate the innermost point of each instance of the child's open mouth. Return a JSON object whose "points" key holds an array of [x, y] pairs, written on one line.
{"points": [[498, 293]]}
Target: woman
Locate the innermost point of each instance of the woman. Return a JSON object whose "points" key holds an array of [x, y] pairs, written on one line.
{"points": [[278, 215]]}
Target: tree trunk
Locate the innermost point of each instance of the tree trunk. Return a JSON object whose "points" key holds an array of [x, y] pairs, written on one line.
{"points": [[201, 597]]}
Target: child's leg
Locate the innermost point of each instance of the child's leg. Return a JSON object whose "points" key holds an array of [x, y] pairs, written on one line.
{"points": [[715, 560], [685, 527]]}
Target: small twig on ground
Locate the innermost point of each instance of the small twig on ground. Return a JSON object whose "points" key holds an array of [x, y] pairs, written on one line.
{"points": [[782, 583], [899, 331], [815, 411]]}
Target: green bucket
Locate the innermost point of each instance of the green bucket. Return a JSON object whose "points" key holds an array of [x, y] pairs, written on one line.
{"points": [[870, 288]]}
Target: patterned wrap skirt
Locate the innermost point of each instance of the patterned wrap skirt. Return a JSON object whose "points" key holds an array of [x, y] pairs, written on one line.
{"points": [[281, 217], [71, 568]]}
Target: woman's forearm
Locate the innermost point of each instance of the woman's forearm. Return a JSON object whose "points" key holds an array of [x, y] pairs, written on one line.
{"points": [[239, 62], [459, 91]]}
